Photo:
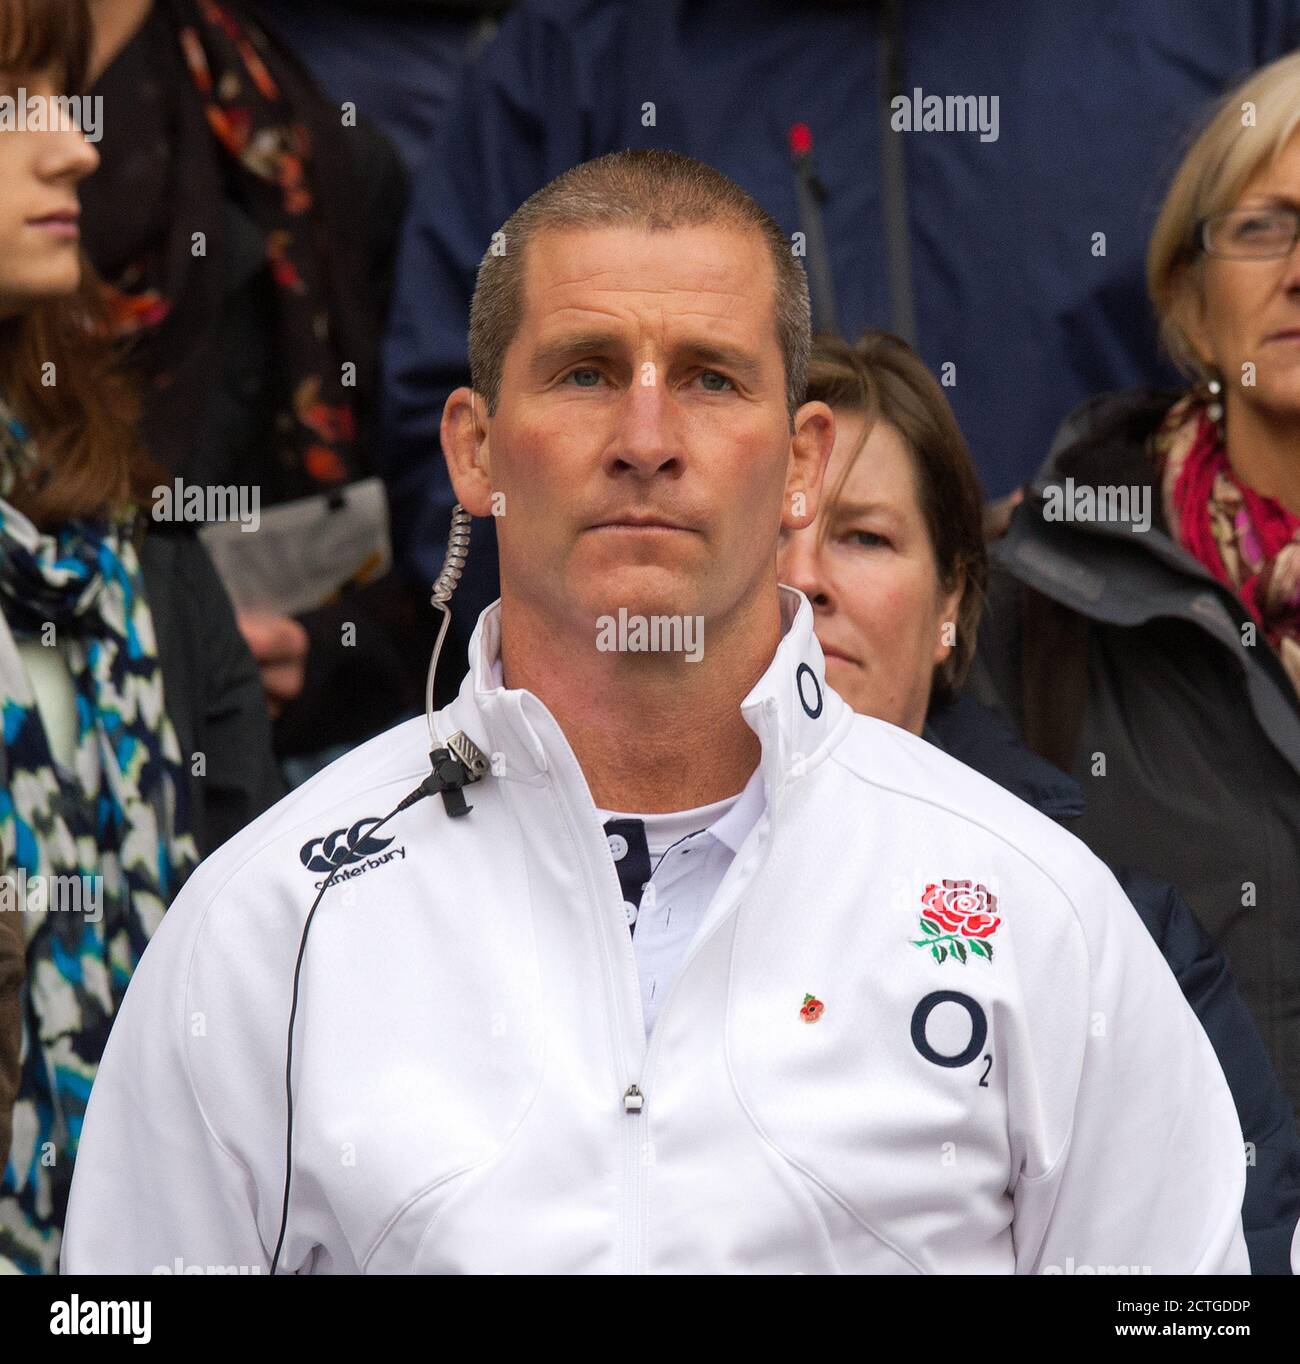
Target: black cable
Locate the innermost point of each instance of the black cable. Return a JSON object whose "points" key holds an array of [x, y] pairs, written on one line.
{"points": [[427, 787], [669, 849], [454, 765]]}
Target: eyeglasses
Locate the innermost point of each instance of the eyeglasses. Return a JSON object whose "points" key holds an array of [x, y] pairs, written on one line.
{"points": [[1250, 233]]}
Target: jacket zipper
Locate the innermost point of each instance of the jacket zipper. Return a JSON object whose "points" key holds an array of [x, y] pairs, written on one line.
{"points": [[633, 1097], [634, 1100], [634, 1106], [652, 1051]]}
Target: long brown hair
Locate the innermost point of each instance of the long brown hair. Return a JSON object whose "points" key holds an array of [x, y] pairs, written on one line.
{"points": [[882, 377], [58, 367]]}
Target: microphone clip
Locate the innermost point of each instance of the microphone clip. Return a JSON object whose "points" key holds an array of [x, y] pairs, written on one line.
{"points": [[456, 765]]}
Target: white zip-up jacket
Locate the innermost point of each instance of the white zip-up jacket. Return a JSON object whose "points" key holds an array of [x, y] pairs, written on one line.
{"points": [[831, 1086]]}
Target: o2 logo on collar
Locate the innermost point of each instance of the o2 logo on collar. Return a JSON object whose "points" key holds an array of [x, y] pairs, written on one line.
{"points": [[816, 686]]}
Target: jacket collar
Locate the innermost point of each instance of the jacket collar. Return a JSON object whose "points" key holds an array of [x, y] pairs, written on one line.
{"points": [[796, 716]]}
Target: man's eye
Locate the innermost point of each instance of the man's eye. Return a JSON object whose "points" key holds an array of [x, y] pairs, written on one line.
{"points": [[709, 375], [585, 377]]}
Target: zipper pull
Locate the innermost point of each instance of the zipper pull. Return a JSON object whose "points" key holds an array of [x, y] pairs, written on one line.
{"points": [[633, 1099]]}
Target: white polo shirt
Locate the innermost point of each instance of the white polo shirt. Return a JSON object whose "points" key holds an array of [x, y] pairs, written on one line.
{"points": [[690, 851]]}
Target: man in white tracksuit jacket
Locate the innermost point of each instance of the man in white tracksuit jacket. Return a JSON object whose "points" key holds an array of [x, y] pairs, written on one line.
{"points": [[915, 1025]]}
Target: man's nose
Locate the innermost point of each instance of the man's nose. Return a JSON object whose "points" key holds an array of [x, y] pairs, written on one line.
{"points": [[800, 563], [648, 436]]}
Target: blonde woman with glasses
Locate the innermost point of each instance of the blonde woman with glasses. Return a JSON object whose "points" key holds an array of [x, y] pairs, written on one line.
{"points": [[1144, 621]]}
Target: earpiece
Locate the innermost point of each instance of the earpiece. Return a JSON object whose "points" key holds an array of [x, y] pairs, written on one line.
{"points": [[460, 761]]}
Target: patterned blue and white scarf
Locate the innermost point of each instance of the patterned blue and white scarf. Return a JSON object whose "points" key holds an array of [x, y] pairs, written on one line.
{"points": [[120, 814]]}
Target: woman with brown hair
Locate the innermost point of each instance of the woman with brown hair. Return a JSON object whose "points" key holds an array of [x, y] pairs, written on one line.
{"points": [[1144, 623], [903, 529], [894, 567], [135, 737]]}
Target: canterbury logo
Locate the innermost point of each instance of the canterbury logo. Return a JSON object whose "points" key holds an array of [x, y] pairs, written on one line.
{"points": [[343, 846]]}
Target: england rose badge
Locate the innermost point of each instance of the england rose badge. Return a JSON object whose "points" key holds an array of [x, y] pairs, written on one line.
{"points": [[958, 919]]}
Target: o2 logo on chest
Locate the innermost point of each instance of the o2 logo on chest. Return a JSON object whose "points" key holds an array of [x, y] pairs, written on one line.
{"points": [[979, 1031]]}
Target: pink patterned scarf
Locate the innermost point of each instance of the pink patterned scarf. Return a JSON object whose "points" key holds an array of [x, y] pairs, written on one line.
{"points": [[1250, 543]]}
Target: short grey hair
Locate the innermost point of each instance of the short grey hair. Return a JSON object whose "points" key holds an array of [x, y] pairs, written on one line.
{"points": [[655, 191]]}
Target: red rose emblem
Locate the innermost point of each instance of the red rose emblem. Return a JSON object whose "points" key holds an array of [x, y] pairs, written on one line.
{"points": [[937, 914], [958, 914]]}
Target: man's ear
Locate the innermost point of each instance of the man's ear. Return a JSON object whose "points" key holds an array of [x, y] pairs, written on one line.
{"points": [[810, 451], [465, 446]]}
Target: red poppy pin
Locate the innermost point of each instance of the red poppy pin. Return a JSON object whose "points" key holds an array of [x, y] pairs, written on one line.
{"points": [[812, 1009], [958, 918]]}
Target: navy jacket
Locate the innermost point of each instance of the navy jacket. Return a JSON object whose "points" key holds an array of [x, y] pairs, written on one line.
{"points": [[1107, 636], [1008, 283], [982, 739], [398, 61]]}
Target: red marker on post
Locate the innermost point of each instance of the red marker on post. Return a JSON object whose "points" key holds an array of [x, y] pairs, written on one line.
{"points": [[811, 194]]}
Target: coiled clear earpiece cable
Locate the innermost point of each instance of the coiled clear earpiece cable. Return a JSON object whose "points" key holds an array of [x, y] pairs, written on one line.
{"points": [[459, 762], [453, 565]]}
